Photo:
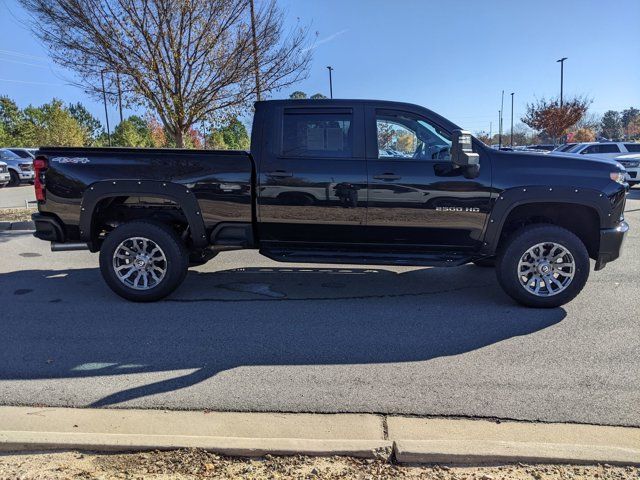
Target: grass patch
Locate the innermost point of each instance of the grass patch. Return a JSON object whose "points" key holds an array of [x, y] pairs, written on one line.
{"points": [[16, 214]]}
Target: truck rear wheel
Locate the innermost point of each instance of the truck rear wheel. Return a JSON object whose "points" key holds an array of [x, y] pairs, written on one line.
{"points": [[543, 266], [143, 261]]}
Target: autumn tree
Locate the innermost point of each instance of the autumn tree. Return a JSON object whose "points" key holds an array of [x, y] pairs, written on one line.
{"points": [[583, 135], [548, 117], [483, 137], [630, 120], [611, 125], [184, 60]]}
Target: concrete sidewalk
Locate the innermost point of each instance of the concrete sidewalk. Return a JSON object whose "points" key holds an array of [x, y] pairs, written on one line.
{"points": [[411, 440]]}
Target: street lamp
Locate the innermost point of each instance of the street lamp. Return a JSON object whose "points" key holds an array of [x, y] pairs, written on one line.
{"points": [[500, 121], [512, 119], [561, 77], [330, 82]]}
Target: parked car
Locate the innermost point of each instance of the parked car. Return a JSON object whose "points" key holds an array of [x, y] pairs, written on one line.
{"points": [[150, 212], [542, 147], [24, 152], [20, 169], [605, 149], [564, 147], [631, 163], [5, 177]]}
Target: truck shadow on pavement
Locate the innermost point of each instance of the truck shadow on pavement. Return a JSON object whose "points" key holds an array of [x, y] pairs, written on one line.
{"points": [[67, 324]]}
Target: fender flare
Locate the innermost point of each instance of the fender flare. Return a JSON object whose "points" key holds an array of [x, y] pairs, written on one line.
{"points": [[511, 198], [180, 194]]}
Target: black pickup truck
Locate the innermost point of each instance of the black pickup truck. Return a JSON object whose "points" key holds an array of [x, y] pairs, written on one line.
{"points": [[337, 181]]}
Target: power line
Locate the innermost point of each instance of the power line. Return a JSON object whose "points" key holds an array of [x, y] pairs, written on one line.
{"points": [[32, 83], [19, 54]]}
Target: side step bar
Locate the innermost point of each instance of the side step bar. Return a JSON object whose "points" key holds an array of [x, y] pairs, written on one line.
{"points": [[67, 247], [416, 259]]}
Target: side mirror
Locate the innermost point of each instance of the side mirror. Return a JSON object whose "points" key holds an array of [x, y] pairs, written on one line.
{"points": [[462, 153]]}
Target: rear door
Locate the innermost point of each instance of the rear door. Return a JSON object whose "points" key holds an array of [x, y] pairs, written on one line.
{"points": [[417, 198], [312, 176]]}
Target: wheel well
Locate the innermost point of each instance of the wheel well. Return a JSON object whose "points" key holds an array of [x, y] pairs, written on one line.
{"points": [[583, 221], [111, 212]]}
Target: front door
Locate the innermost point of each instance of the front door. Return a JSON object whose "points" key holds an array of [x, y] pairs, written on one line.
{"points": [[417, 197], [312, 185]]}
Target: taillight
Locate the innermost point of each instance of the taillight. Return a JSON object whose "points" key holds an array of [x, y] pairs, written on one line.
{"points": [[40, 165]]}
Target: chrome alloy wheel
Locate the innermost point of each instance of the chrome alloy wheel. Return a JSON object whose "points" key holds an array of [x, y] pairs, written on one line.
{"points": [[546, 269], [139, 263]]}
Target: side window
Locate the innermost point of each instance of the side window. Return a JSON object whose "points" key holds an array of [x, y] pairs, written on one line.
{"points": [[395, 140], [590, 149], [609, 148], [327, 135], [405, 136], [633, 147]]}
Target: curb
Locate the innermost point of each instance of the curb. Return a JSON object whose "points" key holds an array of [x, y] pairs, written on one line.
{"points": [[5, 226], [494, 452], [408, 439], [231, 446]]}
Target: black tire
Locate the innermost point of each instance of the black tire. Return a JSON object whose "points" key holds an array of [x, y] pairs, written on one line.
{"points": [[526, 238], [15, 179], [488, 262], [176, 265]]}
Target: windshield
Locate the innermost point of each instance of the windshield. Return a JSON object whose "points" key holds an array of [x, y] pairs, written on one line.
{"points": [[574, 149], [8, 155]]}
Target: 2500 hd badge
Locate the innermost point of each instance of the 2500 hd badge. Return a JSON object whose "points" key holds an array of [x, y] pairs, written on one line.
{"points": [[457, 209]]}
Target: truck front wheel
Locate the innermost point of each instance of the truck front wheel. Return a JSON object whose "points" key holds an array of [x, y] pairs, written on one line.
{"points": [[143, 261], [543, 266]]}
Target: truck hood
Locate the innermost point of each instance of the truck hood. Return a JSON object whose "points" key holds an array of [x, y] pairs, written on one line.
{"points": [[592, 159]]}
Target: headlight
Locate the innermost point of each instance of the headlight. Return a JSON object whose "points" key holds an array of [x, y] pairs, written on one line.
{"points": [[618, 177]]}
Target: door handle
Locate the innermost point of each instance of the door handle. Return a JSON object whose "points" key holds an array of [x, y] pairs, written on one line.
{"points": [[280, 174], [387, 176]]}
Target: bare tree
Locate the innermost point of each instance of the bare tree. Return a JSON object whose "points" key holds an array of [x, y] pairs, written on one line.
{"points": [[552, 119], [188, 60]]}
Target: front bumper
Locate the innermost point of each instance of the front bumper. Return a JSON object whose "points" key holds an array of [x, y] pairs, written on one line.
{"points": [[611, 241], [28, 175], [5, 178]]}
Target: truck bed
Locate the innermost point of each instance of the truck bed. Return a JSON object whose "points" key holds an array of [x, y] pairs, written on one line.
{"points": [[220, 180]]}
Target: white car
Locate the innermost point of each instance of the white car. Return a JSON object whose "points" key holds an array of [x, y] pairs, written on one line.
{"points": [[20, 169], [5, 177], [626, 153], [605, 149]]}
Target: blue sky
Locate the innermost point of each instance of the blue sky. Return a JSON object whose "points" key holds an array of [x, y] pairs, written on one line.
{"points": [[453, 57]]}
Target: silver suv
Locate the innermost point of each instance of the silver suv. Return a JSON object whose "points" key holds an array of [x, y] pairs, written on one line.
{"points": [[20, 169]]}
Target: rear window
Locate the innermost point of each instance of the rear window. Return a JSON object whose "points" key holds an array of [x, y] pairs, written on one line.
{"points": [[633, 147], [320, 135]]}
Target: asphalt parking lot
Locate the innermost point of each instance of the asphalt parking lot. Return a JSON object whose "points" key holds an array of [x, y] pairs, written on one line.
{"points": [[17, 197], [248, 334]]}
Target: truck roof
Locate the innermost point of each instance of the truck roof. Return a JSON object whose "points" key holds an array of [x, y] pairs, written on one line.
{"points": [[345, 102]]}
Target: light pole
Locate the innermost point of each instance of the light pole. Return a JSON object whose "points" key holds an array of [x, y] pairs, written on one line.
{"points": [[330, 82], [106, 114], [501, 111], [119, 95], [561, 77], [512, 119]]}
